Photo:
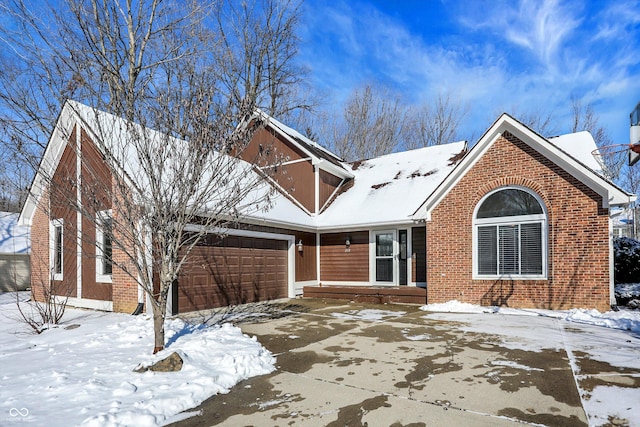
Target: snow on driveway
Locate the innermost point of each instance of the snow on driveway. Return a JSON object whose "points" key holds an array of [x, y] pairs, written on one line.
{"points": [[603, 349], [81, 373]]}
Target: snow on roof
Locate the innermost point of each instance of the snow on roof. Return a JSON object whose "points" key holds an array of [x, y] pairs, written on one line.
{"points": [[317, 149], [392, 187], [580, 146], [14, 238]]}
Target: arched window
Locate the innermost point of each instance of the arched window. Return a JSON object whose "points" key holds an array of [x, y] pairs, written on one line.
{"points": [[510, 235]]}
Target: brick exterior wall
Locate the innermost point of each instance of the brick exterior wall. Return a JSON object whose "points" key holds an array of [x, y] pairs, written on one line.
{"points": [[578, 235], [40, 272], [124, 287]]}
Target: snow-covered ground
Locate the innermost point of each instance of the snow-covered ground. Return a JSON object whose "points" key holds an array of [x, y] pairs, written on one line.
{"points": [[81, 372], [612, 338]]}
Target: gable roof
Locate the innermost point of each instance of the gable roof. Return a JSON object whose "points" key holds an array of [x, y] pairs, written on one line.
{"points": [[580, 146], [397, 188], [611, 194], [116, 139], [320, 156], [389, 189]]}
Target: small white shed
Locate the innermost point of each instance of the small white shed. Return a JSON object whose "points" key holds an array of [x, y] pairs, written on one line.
{"points": [[15, 268]]}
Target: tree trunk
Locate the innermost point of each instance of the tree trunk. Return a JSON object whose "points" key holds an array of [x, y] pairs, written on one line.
{"points": [[159, 309]]}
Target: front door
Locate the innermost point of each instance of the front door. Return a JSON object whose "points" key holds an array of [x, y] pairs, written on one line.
{"points": [[402, 257], [384, 241]]}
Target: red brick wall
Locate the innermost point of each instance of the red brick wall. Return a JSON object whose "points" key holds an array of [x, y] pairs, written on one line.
{"points": [[124, 287], [40, 273], [578, 236]]}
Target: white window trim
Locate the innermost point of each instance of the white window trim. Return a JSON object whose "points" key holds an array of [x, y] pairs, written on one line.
{"points": [[52, 248], [511, 220], [372, 256], [100, 276]]}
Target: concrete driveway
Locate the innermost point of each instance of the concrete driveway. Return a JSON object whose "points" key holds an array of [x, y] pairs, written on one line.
{"points": [[342, 364]]}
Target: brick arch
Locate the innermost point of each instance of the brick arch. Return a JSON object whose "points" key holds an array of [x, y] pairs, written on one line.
{"points": [[507, 181]]}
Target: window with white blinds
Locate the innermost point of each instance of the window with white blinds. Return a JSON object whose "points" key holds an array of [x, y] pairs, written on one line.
{"points": [[510, 235]]}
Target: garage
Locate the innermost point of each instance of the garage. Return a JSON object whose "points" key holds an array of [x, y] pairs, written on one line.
{"points": [[232, 270]]}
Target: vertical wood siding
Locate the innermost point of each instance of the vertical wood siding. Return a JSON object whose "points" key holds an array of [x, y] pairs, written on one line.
{"points": [[419, 254], [338, 265], [63, 198], [328, 184], [305, 260], [96, 197]]}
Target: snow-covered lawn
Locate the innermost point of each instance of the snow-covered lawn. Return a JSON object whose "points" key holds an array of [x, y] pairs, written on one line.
{"points": [[612, 338], [81, 372]]}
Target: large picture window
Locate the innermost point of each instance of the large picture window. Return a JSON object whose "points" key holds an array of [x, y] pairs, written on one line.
{"points": [[104, 251], [510, 235]]}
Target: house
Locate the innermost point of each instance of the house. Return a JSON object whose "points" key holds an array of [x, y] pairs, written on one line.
{"points": [[14, 254], [517, 220], [623, 221]]}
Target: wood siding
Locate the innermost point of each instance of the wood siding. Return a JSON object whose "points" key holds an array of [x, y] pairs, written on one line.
{"points": [[233, 270], [328, 184], [63, 198], [297, 179], [294, 179], [305, 260], [419, 254], [15, 272], [96, 197], [337, 265]]}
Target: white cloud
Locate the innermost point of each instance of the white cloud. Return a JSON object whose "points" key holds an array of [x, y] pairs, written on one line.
{"points": [[496, 55]]}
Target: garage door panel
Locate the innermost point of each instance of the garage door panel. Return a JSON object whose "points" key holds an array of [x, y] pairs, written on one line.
{"points": [[235, 270]]}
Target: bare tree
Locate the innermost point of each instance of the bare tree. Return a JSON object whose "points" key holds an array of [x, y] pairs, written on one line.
{"points": [[373, 122], [435, 123], [539, 120], [171, 131], [584, 118], [259, 43]]}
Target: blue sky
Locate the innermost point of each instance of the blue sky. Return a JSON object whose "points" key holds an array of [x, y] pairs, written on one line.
{"points": [[496, 56]]}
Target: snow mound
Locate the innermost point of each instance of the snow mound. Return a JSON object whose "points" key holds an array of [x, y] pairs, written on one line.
{"points": [[84, 376]]}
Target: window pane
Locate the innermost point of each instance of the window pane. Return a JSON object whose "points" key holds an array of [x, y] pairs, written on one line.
{"points": [[106, 246], [384, 244], [531, 237], [384, 270], [487, 250], [509, 250], [57, 257], [509, 202]]}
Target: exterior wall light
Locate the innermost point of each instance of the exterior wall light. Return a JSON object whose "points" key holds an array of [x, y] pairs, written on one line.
{"points": [[347, 245], [300, 245]]}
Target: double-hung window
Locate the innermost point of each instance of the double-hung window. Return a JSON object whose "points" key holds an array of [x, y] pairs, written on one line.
{"points": [[104, 251], [56, 248], [510, 235]]}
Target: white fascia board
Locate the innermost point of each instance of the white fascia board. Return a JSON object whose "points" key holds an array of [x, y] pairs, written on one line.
{"points": [[368, 226], [277, 224], [611, 195], [332, 169], [49, 162]]}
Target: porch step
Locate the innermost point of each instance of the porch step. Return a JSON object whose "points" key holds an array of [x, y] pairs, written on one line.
{"points": [[369, 294]]}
